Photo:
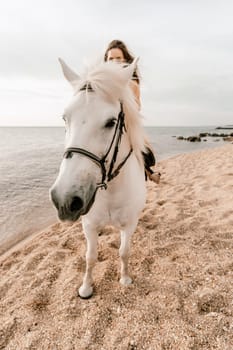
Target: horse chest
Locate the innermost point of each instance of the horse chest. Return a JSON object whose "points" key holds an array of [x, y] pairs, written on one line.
{"points": [[109, 211]]}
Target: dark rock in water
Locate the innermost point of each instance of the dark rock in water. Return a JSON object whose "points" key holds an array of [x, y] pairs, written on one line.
{"points": [[203, 134], [194, 139], [227, 127], [199, 138], [228, 138], [218, 135]]}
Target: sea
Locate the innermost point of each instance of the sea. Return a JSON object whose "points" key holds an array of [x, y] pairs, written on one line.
{"points": [[29, 163]]}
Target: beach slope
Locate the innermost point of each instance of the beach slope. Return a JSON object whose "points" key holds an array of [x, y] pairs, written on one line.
{"points": [[181, 263]]}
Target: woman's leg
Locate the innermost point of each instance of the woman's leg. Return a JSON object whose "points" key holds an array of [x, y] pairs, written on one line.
{"points": [[149, 161]]}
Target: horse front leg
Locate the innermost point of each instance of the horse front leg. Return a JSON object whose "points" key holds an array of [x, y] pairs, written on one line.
{"points": [[124, 253], [86, 289]]}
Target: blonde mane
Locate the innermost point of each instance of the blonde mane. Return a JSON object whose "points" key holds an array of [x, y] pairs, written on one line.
{"points": [[108, 80]]}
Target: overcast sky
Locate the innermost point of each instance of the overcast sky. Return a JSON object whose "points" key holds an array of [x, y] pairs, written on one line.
{"points": [[185, 49]]}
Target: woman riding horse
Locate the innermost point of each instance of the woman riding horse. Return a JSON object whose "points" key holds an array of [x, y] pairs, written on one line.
{"points": [[118, 52]]}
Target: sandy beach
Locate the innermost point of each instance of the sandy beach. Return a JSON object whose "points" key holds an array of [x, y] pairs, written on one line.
{"points": [[181, 262]]}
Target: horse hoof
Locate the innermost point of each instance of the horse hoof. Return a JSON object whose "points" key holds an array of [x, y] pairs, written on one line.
{"points": [[85, 292], [125, 281]]}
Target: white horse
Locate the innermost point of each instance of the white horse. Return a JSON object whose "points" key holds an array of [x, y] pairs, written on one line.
{"points": [[101, 176]]}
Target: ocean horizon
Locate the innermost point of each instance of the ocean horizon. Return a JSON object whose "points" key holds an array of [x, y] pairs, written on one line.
{"points": [[29, 162]]}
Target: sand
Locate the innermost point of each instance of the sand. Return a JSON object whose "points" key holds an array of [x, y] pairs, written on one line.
{"points": [[181, 263]]}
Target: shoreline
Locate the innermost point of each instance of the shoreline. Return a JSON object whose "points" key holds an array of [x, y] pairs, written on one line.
{"points": [[24, 191], [19, 239]]}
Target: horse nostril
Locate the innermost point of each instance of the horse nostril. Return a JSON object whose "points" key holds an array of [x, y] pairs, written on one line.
{"points": [[76, 204]]}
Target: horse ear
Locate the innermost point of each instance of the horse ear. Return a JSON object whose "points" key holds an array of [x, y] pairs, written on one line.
{"points": [[69, 74], [131, 68]]}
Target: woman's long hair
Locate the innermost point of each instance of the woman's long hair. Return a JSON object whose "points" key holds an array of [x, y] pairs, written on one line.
{"points": [[118, 44]]}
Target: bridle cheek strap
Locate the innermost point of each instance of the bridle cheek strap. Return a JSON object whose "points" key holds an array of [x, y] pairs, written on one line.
{"points": [[119, 129]]}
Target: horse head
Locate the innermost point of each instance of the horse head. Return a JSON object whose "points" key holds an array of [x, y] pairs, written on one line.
{"points": [[92, 123]]}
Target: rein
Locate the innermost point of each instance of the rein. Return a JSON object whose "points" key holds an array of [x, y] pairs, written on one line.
{"points": [[109, 175]]}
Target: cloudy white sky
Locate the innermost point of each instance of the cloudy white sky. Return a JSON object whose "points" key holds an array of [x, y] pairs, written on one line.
{"points": [[185, 49]]}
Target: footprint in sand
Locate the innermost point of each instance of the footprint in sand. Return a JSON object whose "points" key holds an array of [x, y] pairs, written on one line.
{"points": [[35, 261]]}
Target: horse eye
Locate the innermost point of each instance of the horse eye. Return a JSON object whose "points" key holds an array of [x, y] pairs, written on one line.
{"points": [[110, 123]]}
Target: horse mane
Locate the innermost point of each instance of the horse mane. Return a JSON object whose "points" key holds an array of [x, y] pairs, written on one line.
{"points": [[107, 79]]}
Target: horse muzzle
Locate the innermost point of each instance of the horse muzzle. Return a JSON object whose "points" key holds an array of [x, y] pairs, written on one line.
{"points": [[73, 206]]}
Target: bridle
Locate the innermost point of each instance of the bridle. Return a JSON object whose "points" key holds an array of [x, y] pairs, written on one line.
{"points": [[110, 174]]}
